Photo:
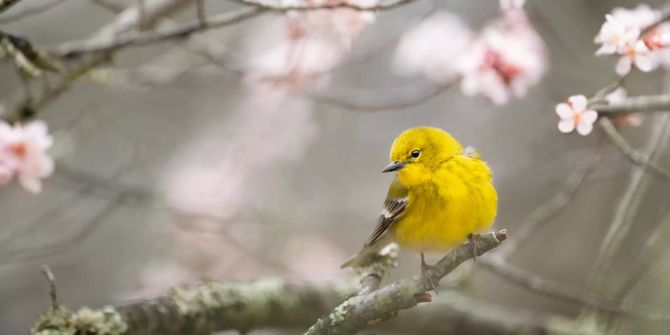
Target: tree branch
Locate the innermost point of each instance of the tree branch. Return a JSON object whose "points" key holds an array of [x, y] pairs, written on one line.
{"points": [[364, 310], [648, 103], [383, 100], [29, 11], [202, 309], [631, 154], [78, 48], [7, 4], [125, 21]]}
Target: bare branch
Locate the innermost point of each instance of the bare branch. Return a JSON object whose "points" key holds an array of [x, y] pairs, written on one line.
{"points": [[204, 308], [629, 203], [125, 21], [52, 286], [386, 5], [364, 310], [456, 313], [381, 100], [7, 4], [581, 297], [649, 103], [631, 154], [543, 214], [30, 11], [78, 48], [107, 5]]}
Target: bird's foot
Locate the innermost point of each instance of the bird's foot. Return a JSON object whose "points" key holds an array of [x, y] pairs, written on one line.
{"points": [[425, 270], [473, 245]]}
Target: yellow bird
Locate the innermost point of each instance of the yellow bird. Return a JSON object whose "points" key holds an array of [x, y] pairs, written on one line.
{"points": [[441, 196]]}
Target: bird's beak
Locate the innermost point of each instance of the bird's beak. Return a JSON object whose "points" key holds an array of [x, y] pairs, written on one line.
{"points": [[394, 166]]}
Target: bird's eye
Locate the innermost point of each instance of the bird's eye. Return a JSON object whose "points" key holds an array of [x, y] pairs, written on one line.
{"points": [[415, 153]]}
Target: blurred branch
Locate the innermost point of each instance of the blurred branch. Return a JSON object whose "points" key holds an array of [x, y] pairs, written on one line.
{"points": [[6, 4], [381, 100], [79, 48], [27, 107], [533, 282], [631, 154], [201, 309], [543, 214], [108, 5], [456, 313], [649, 103], [306, 6], [52, 286], [361, 311], [30, 11], [629, 203]]}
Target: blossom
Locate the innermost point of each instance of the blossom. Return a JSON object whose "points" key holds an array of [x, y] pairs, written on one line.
{"points": [[511, 4], [657, 37], [23, 153], [574, 114], [620, 34], [305, 46], [640, 17], [635, 54], [505, 61], [432, 47], [614, 35]]}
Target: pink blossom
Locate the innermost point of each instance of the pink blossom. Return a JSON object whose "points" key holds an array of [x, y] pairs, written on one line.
{"points": [[511, 4], [614, 35], [432, 48], [635, 54], [303, 47], [574, 114], [23, 152], [505, 61], [640, 17]]}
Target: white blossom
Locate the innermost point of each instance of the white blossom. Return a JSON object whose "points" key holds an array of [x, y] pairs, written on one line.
{"points": [[574, 114]]}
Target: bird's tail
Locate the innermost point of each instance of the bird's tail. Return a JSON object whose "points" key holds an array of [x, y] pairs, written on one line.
{"points": [[367, 254]]}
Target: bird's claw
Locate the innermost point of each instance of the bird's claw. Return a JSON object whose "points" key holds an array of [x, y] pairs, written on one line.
{"points": [[473, 245], [425, 270]]}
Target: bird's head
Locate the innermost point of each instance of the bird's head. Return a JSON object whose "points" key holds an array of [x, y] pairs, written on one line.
{"points": [[418, 152]]}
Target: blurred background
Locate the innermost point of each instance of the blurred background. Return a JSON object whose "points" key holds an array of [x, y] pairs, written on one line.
{"points": [[172, 168]]}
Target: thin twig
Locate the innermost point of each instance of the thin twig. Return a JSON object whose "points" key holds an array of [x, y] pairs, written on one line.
{"points": [[628, 205], [386, 5], [535, 283], [631, 154], [544, 213], [644, 103], [30, 11], [201, 12], [52, 286], [7, 4], [379, 100], [79, 48], [107, 5]]}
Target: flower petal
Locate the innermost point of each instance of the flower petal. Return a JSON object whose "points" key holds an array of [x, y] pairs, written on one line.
{"points": [[566, 126], [623, 66], [564, 111], [32, 184], [584, 128], [578, 103], [589, 116], [644, 63]]}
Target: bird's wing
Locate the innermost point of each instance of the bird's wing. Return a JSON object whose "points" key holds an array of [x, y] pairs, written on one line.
{"points": [[394, 207]]}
